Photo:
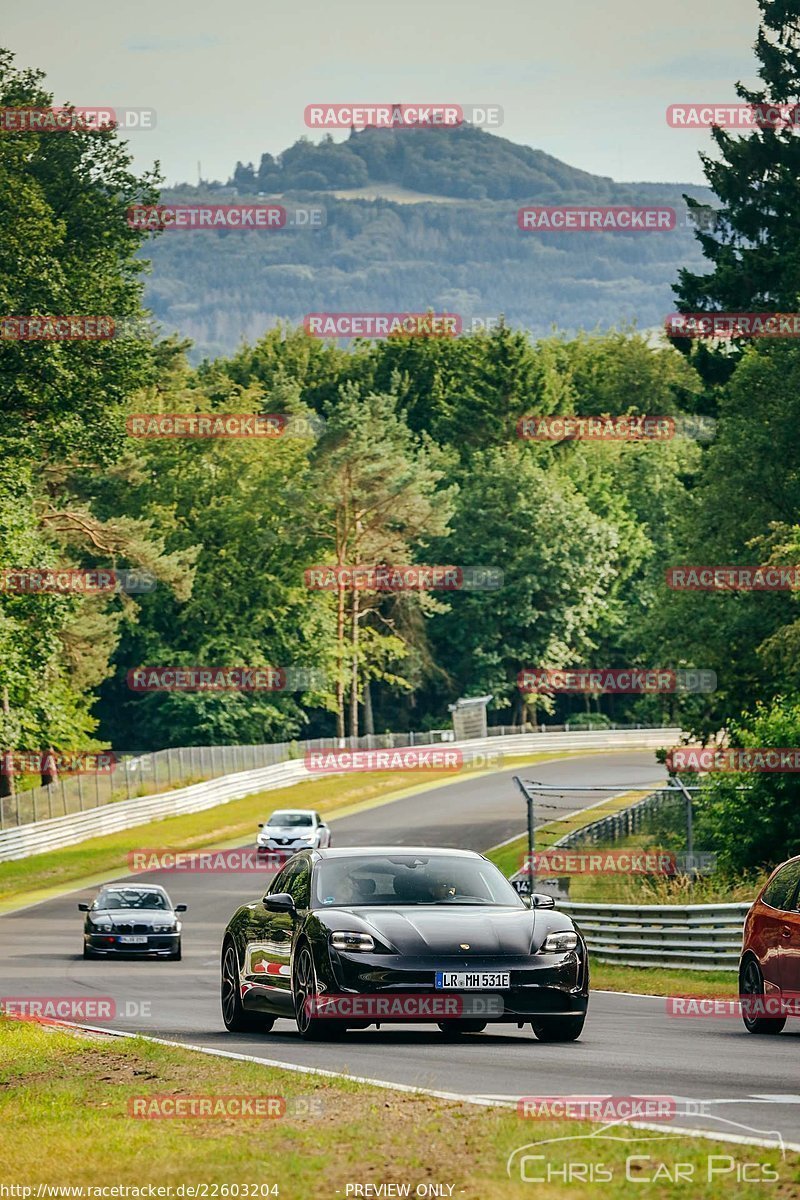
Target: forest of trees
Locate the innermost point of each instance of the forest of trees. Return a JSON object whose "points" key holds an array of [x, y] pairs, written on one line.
{"points": [[415, 460]]}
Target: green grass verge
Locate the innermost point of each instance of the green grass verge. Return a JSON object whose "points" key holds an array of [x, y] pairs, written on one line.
{"points": [[65, 1103], [658, 981], [630, 890], [42, 875], [511, 856]]}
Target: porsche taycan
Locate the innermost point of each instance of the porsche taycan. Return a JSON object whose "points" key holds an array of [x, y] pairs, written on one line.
{"points": [[352, 937]]}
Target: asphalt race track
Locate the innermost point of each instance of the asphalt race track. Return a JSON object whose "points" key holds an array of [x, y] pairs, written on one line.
{"points": [[750, 1085]]}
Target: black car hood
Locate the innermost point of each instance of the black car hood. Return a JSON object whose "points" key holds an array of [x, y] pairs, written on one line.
{"points": [[440, 929]]}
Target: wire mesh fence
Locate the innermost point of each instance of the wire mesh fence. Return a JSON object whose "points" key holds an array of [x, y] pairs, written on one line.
{"points": [[149, 773], [152, 772]]}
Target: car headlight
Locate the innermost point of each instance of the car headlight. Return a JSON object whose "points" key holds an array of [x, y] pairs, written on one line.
{"points": [[165, 928], [103, 926], [352, 941], [559, 943]]}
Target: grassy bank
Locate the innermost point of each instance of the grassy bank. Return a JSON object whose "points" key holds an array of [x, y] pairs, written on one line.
{"points": [[65, 1103], [626, 889], [655, 981]]}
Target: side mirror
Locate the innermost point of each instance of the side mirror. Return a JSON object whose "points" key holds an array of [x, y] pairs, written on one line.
{"points": [[542, 900], [281, 902], [181, 907], [83, 907]]}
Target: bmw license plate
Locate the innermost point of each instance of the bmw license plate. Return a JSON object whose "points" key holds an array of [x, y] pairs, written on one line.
{"points": [[473, 980], [133, 939]]}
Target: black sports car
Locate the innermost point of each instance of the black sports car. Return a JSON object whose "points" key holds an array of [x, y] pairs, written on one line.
{"points": [[353, 937], [132, 920]]}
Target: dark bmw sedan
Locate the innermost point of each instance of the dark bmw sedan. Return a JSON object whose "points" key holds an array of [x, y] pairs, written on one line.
{"points": [[140, 920], [353, 937]]}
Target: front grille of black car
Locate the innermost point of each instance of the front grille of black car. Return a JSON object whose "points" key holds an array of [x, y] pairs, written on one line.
{"points": [[127, 927]]}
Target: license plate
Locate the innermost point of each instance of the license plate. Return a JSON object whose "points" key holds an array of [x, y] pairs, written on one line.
{"points": [[133, 939], [473, 980]]}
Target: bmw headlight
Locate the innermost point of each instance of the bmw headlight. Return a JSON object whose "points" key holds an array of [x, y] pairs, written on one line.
{"points": [[352, 941], [103, 926], [165, 928], [560, 943]]}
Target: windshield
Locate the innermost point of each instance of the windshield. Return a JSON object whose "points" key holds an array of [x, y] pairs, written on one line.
{"points": [[411, 879], [131, 898], [291, 819]]}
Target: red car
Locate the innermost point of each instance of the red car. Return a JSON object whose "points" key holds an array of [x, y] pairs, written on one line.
{"points": [[770, 962]]}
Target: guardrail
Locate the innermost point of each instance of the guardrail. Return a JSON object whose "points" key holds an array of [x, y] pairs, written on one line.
{"points": [[151, 772], [705, 937], [40, 836]]}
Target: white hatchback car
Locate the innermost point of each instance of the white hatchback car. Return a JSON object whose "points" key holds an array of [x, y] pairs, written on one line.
{"points": [[293, 829]]}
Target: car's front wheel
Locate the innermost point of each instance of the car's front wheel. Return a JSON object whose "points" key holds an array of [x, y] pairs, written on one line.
{"points": [[233, 1014], [558, 1029], [176, 953], [305, 994], [751, 983]]}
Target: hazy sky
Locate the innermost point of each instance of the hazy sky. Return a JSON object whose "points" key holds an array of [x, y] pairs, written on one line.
{"points": [[586, 81]]}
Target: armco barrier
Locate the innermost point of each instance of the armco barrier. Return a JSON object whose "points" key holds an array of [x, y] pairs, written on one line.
{"points": [[706, 937], [40, 836]]}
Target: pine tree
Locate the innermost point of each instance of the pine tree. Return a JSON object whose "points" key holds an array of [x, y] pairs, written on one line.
{"points": [[755, 248]]}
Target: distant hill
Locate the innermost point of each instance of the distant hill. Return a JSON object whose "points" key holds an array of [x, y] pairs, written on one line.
{"points": [[461, 161], [447, 240]]}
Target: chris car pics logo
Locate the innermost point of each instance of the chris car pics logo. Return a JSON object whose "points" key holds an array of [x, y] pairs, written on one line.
{"points": [[621, 1154]]}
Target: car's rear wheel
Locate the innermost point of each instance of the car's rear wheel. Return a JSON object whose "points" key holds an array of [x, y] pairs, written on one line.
{"points": [[233, 1014], [558, 1029], [456, 1028], [751, 983], [305, 993]]}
